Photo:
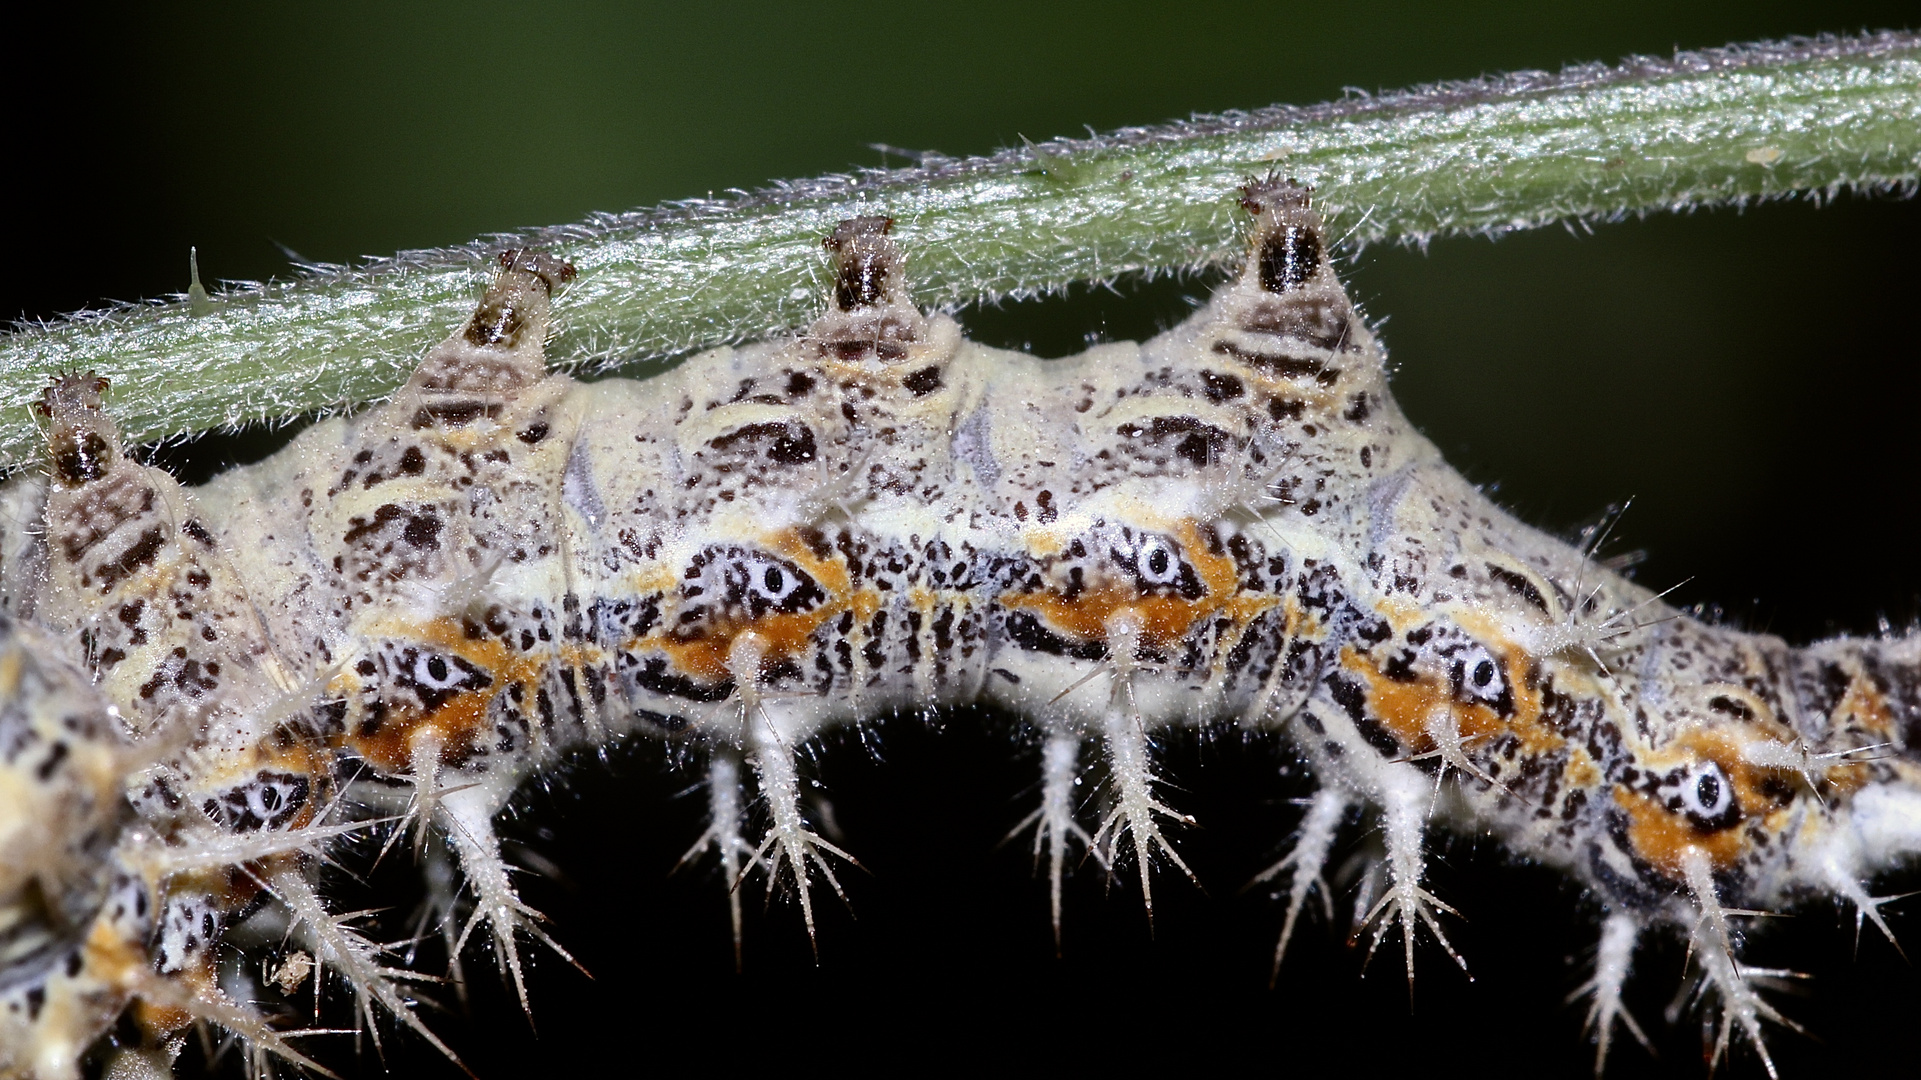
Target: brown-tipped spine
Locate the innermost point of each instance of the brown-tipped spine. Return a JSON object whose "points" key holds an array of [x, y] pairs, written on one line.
{"points": [[503, 313], [81, 444], [868, 267], [1287, 245]]}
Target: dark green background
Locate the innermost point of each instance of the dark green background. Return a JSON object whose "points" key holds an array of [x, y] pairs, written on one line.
{"points": [[1749, 378]]}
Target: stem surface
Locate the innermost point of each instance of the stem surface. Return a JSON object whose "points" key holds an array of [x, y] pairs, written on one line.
{"points": [[1592, 142]]}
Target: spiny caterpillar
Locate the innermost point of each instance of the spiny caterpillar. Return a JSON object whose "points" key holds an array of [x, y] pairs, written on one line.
{"points": [[392, 624]]}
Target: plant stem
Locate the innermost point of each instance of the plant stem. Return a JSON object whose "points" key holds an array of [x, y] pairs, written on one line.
{"points": [[1707, 128]]}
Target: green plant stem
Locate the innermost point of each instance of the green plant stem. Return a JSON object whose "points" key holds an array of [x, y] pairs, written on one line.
{"points": [[1593, 142]]}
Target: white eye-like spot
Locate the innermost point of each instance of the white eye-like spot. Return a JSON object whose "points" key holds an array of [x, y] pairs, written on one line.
{"points": [[1156, 562], [1477, 672], [275, 798], [433, 671], [268, 801], [736, 580], [1705, 792], [776, 583]]}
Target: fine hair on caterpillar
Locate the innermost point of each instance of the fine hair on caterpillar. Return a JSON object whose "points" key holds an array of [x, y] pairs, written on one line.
{"points": [[404, 618]]}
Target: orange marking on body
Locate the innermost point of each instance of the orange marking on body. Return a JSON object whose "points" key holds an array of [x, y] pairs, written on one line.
{"points": [[461, 717], [1726, 740], [1846, 777], [1293, 621], [1663, 839], [114, 960], [1761, 793], [1216, 571], [1299, 623], [923, 599], [159, 1021], [786, 633], [1401, 616], [1164, 619], [656, 577], [390, 746], [865, 603], [829, 573], [1404, 708], [1581, 772]]}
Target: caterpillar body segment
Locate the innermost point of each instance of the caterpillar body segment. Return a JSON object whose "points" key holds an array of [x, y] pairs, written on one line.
{"points": [[105, 910], [72, 918], [417, 611]]}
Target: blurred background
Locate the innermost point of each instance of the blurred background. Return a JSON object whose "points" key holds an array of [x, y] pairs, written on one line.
{"points": [[1749, 379]]}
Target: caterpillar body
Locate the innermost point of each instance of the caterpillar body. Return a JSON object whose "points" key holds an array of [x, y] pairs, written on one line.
{"points": [[398, 619]]}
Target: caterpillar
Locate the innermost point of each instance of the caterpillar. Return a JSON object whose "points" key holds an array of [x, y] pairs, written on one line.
{"points": [[384, 631]]}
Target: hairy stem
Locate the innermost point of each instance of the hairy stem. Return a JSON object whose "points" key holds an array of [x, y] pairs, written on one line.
{"points": [[1523, 150]]}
